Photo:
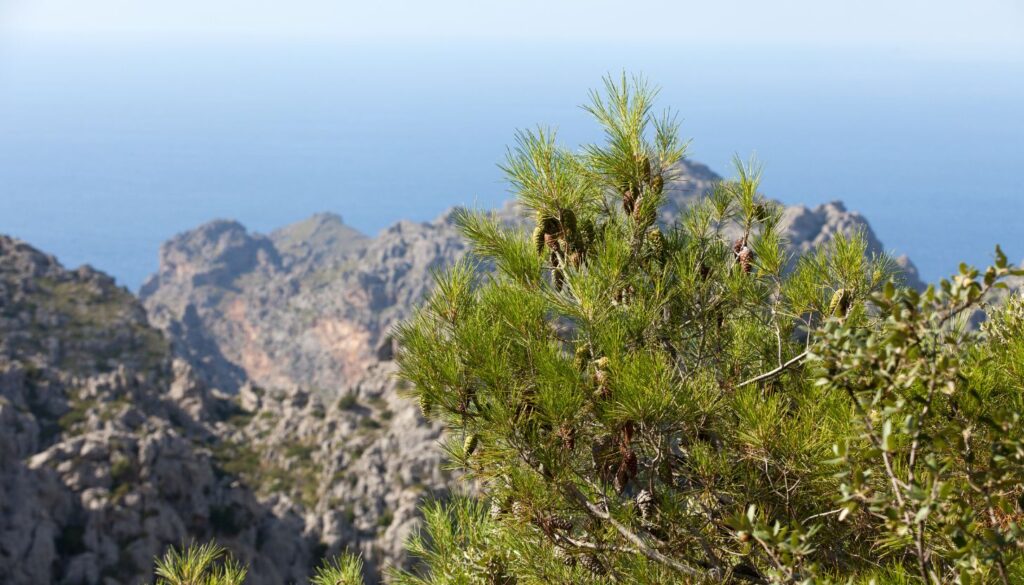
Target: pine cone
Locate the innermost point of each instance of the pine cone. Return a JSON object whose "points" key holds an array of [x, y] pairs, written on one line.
{"points": [[656, 245], [568, 436], [469, 445], [582, 356], [840, 302], [738, 245], [592, 564], [761, 211], [568, 221], [425, 405], [645, 167], [658, 183], [567, 559], [645, 504], [551, 241], [538, 237], [746, 258], [559, 523], [628, 201]]}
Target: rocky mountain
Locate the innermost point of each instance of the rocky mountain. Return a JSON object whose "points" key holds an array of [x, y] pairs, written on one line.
{"points": [[112, 449], [248, 397]]}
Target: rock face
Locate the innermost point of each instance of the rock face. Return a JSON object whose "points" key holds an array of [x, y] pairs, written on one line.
{"points": [[105, 441], [808, 229], [111, 449], [303, 312], [260, 408]]}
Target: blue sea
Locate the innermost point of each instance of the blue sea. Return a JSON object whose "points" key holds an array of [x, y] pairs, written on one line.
{"points": [[107, 150]]}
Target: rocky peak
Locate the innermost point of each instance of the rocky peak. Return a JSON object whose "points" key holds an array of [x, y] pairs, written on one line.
{"points": [[78, 319], [214, 254], [20, 262], [317, 239], [809, 228]]}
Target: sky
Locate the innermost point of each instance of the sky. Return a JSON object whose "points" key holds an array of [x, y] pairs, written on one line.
{"points": [[123, 122], [972, 28]]}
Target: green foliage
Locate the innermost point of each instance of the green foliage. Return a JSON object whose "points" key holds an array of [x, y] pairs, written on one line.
{"points": [[211, 564], [689, 404], [936, 459], [343, 570], [348, 401], [199, 564]]}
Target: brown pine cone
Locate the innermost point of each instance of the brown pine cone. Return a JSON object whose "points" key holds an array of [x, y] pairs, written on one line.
{"points": [[558, 523], [592, 564], [567, 559], [568, 436], [628, 201], [746, 258], [568, 221], [551, 240], [645, 504]]}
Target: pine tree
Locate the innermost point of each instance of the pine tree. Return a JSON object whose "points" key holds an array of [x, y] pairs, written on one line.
{"points": [[687, 403]]}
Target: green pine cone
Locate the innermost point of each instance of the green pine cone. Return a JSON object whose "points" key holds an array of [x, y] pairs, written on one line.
{"points": [[840, 303], [568, 221], [538, 237], [656, 245], [470, 444]]}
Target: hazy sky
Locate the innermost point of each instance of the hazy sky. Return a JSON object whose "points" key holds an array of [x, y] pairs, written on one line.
{"points": [[988, 27]]}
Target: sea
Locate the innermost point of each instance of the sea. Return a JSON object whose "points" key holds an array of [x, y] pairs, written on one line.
{"points": [[107, 149]]}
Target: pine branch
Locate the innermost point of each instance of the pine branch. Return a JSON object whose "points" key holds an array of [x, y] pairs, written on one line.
{"points": [[765, 376]]}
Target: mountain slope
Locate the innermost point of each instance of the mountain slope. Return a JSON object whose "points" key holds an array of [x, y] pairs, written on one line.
{"points": [[111, 449], [104, 440]]}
